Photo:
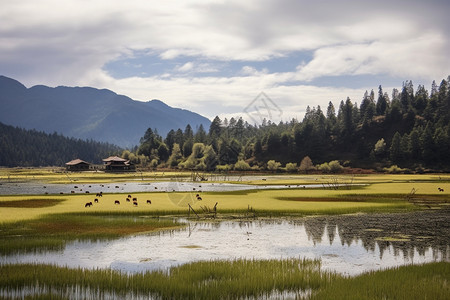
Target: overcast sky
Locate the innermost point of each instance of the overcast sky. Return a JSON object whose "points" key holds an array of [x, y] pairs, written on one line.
{"points": [[216, 57]]}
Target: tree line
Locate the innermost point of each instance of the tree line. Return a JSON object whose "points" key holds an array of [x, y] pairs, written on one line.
{"points": [[408, 128], [32, 148]]}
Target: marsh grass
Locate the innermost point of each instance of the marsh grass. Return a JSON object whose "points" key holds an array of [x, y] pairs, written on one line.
{"points": [[51, 232], [236, 279], [199, 280], [429, 281]]}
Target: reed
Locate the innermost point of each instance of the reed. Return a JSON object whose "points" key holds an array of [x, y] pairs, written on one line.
{"points": [[200, 280], [429, 281], [236, 279]]}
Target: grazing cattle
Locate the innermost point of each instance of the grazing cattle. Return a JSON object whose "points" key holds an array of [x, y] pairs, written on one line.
{"points": [[199, 198], [72, 192], [134, 199], [128, 200], [197, 195], [440, 190], [87, 192], [89, 204], [117, 202], [149, 201], [96, 200], [135, 204], [99, 194], [129, 196]]}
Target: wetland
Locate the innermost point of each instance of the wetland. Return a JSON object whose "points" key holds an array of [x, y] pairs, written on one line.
{"points": [[271, 237]]}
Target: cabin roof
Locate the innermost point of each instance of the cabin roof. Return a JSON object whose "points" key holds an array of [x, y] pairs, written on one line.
{"points": [[76, 162], [114, 159]]}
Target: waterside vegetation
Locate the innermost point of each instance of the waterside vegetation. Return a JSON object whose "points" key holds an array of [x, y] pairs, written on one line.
{"points": [[236, 279]]}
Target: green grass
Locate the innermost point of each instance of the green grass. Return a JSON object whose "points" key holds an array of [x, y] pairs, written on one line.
{"points": [[199, 280], [237, 279], [51, 232], [429, 281]]}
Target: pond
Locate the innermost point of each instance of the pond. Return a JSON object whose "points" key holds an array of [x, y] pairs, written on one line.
{"points": [[349, 244]]}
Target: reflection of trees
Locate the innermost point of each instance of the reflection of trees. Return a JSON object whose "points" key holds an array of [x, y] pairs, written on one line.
{"points": [[331, 229], [315, 228], [406, 233]]}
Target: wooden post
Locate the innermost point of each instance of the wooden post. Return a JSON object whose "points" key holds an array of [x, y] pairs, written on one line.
{"points": [[190, 208], [215, 210]]}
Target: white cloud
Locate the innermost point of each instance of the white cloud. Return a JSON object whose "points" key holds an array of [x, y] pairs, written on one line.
{"points": [[410, 58], [186, 67], [69, 43]]}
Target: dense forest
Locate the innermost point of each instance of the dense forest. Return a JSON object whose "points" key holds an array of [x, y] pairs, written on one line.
{"points": [[407, 130], [31, 148]]}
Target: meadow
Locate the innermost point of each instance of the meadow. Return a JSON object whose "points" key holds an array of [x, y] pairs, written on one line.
{"points": [[47, 222]]}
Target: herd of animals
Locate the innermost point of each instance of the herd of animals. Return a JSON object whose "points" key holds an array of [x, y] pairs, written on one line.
{"points": [[128, 199], [117, 202]]}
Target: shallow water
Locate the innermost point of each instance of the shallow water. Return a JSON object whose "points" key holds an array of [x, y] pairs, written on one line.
{"points": [[36, 188], [349, 245]]}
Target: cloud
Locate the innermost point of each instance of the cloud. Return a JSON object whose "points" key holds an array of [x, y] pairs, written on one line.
{"points": [[380, 58], [196, 43], [186, 67]]}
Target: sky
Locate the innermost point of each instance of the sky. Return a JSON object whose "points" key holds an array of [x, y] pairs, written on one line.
{"points": [[249, 58]]}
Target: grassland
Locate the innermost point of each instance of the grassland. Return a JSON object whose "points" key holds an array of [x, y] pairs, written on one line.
{"points": [[237, 279]]}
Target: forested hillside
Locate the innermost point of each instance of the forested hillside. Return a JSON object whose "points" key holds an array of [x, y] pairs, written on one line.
{"points": [[31, 148], [409, 128], [88, 113]]}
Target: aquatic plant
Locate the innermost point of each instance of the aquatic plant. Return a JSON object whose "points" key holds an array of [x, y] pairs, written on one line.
{"points": [[200, 280], [236, 279]]}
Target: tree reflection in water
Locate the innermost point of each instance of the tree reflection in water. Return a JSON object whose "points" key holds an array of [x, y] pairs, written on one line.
{"points": [[404, 232]]}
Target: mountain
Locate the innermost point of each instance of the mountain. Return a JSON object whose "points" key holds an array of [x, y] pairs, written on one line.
{"points": [[89, 113]]}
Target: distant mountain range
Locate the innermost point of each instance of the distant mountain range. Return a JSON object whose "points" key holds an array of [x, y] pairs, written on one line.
{"points": [[89, 113]]}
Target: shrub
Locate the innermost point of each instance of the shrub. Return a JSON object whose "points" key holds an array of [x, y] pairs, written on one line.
{"points": [[291, 167], [325, 167], [241, 165], [394, 169], [335, 166], [273, 165]]}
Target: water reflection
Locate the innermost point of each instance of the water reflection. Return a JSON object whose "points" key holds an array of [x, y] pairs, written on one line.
{"points": [[347, 244], [406, 233]]}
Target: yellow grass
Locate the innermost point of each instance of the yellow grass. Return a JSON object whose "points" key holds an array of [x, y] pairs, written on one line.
{"points": [[312, 200], [267, 200]]}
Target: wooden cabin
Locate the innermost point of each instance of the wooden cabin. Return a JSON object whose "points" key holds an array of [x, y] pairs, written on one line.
{"points": [[117, 164], [77, 165]]}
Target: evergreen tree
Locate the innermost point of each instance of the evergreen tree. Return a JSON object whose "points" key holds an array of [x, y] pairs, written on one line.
{"points": [[395, 149], [200, 135], [382, 104]]}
